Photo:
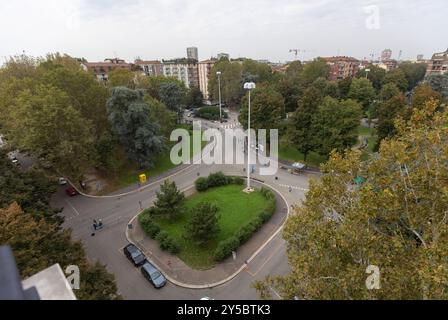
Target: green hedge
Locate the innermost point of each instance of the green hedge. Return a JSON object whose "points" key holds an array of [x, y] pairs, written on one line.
{"points": [[210, 113], [225, 248], [167, 243], [214, 180], [148, 225]]}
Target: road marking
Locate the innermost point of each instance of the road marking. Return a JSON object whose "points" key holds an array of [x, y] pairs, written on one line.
{"points": [[73, 208], [294, 187], [267, 260], [276, 293]]}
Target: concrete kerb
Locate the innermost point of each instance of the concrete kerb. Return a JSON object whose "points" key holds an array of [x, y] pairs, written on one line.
{"points": [[233, 276]]}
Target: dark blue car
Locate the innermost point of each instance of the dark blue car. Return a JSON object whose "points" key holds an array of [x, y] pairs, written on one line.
{"points": [[153, 275], [134, 255]]}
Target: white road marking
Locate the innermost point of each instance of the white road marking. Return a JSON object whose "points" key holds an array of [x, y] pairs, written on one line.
{"points": [[294, 187], [73, 208]]}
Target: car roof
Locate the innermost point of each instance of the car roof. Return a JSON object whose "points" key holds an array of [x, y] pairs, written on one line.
{"points": [[150, 268], [132, 248]]}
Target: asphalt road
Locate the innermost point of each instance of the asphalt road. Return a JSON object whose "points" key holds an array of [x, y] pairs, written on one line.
{"points": [[106, 245]]}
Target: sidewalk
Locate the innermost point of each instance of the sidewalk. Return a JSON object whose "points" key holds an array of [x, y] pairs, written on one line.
{"points": [[182, 275]]}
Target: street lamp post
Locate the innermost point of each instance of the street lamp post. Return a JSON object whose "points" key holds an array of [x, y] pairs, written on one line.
{"points": [[249, 86], [220, 101]]}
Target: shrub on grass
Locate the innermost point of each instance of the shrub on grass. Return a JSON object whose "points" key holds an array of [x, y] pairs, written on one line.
{"points": [[225, 248], [246, 232], [148, 225], [201, 184], [265, 216], [167, 243], [214, 180], [238, 181]]}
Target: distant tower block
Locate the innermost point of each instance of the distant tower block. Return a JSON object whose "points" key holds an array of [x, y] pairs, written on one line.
{"points": [[192, 53]]}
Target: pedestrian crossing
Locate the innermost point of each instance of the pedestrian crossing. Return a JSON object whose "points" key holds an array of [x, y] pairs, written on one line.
{"points": [[294, 187]]}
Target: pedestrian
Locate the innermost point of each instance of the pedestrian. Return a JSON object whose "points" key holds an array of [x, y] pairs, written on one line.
{"points": [[290, 189]]}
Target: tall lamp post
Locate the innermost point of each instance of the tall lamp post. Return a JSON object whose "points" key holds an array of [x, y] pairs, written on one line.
{"points": [[220, 101], [249, 86]]}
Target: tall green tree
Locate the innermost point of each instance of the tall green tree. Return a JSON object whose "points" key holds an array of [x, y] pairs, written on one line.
{"points": [[398, 78], [414, 73], [130, 119], [170, 201], [46, 124], [256, 71], [231, 82], [424, 93], [395, 221], [267, 109], [204, 224], [336, 125], [362, 91], [388, 111], [173, 95], [195, 98], [314, 70], [121, 78], [160, 114], [439, 83], [375, 75], [302, 130], [388, 91]]}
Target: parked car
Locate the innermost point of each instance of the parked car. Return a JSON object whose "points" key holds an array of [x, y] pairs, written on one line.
{"points": [[134, 255], [62, 181], [153, 275], [71, 192]]}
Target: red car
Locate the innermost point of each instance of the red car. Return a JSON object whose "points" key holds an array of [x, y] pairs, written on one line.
{"points": [[71, 192]]}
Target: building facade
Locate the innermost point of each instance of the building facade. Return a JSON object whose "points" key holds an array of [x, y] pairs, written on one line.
{"points": [[225, 56], [102, 69], [193, 53], [438, 64], [386, 55], [205, 71], [185, 70], [150, 68], [342, 67]]}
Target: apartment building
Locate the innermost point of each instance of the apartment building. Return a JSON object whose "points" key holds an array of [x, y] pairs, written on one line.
{"points": [[438, 64], [342, 67], [150, 68], [193, 53], [205, 71], [185, 70], [102, 69]]}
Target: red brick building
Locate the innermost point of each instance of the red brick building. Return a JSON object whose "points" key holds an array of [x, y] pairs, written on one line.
{"points": [[342, 67], [102, 69]]}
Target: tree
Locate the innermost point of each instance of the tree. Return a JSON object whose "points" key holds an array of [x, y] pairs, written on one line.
{"points": [[46, 124], [388, 91], [336, 125], [85, 93], [398, 78], [160, 114], [172, 94], [256, 72], [439, 83], [424, 93], [290, 91], [195, 98], [267, 109], [327, 88], [375, 75], [414, 73], [121, 78], [294, 70], [231, 82], [38, 245], [170, 201], [344, 87], [362, 91], [130, 119], [302, 132], [314, 70], [396, 221], [203, 225], [388, 111]]}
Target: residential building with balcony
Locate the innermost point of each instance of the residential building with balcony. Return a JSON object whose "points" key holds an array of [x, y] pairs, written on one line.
{"points": [[342, 67], [185, 70], [150, 68], [205, 72], [102, 69], [438, 64]]}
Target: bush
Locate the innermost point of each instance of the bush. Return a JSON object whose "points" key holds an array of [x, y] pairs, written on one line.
{"points": [[202, 184], [248, 230], [265, 216], [238, 181], [210, 113], [148, 225], [167, 243], [212, 181], [225, 248]]}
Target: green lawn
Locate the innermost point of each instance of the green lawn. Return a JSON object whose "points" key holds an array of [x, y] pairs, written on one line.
{"points": [[129, 172], [291, 154], [236, 210]]}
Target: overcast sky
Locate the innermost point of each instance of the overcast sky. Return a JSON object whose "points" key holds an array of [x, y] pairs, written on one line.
{"points": [[263, 29]]}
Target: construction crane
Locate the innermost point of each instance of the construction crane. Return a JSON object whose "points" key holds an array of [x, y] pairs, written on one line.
{"points": [[297, 51]]}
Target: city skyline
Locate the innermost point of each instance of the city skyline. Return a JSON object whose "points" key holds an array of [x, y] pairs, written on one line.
{"points": [[259, 30]]}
